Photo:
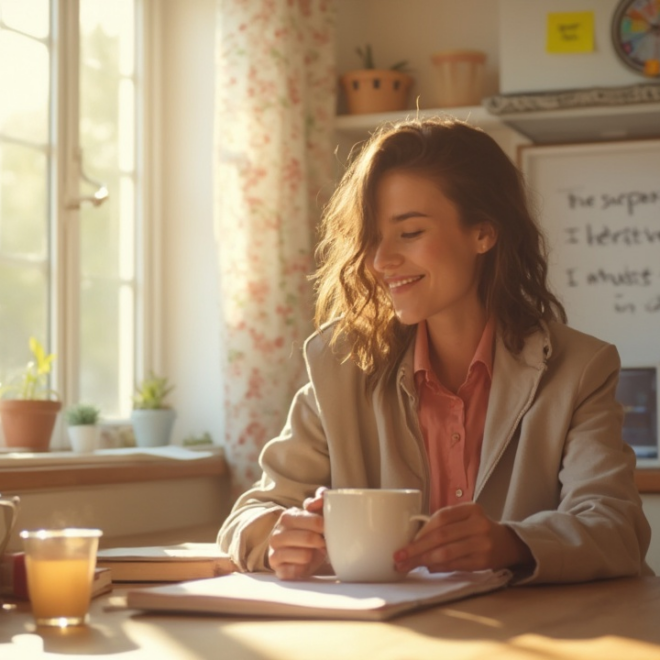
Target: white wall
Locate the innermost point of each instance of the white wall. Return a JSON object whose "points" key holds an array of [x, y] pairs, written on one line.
{"points": [[191, 326], [525, 64]]}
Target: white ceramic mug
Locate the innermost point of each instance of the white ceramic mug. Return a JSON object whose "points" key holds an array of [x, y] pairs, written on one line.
{"points": [[9, 506], [364, 528]]}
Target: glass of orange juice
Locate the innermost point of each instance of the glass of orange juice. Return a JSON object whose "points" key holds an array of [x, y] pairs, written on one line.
{"points": [[60, 568]]}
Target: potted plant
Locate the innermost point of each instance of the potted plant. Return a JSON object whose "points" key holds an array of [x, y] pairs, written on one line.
{"points": [[152, 417], [29, 409], [370, 89], [83, 432]]}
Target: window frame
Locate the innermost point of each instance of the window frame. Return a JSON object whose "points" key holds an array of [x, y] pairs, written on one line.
{"points": [[64, 172]]}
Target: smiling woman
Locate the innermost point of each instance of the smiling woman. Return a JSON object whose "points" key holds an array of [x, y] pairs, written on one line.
{"points": [[442, 363]]}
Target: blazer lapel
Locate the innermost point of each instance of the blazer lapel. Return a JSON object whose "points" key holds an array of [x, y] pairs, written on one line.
{"points": [[515, 381]]}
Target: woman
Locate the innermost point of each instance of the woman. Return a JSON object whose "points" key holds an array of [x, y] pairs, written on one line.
{"points": [[443, 362]]}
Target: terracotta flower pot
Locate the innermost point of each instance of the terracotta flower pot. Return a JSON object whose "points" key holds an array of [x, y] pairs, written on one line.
{"points": [[28, 424], [459, 78], [376, 90]]}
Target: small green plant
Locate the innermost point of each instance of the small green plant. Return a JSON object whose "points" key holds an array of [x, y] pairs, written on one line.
{"points": [[367, 57], [82, 414], [195, 440], [150, 394], [34, 381]]}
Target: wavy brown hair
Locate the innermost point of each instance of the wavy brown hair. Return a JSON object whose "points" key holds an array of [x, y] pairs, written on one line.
{"points": [[474, 173]]}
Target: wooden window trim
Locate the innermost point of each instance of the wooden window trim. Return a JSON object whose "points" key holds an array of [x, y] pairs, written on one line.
{"points": [[21, 479], [648, 481], [79, 473]]}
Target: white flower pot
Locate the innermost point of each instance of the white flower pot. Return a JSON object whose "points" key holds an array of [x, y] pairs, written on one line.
{"points": [[84, 437], [152, 428]]}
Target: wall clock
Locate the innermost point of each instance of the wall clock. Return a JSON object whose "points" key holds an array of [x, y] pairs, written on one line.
{"points": [[636, 35]]}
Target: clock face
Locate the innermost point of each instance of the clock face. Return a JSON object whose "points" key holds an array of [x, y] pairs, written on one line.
{"points": [[636, 35]]}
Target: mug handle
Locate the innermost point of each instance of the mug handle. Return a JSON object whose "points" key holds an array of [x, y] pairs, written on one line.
{"points": [[420, 518], [10, 516]]}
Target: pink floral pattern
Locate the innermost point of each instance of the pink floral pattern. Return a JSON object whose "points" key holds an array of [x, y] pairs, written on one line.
{"points": [[275, 103]]}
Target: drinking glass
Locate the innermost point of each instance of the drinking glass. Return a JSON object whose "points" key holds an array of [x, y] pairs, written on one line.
{"points": [[60, 567]]}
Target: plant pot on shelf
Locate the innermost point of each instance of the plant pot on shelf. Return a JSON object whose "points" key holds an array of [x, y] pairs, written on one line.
{"points": [[376, 90], [28, 423], [459, 77], [83, 437], [152, 428]]}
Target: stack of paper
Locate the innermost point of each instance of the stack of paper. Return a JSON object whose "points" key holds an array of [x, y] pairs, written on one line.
{"points": [[245, 594]]}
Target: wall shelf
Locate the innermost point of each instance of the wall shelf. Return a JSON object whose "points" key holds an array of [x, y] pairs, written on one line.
{"points": [[359, 126], [585, 124]]}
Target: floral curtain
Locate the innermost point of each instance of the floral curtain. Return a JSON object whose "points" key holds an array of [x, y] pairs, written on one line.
{"points": [[275, 102]]}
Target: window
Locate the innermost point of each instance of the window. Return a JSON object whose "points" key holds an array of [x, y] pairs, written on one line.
{"points": [[71, 194]]}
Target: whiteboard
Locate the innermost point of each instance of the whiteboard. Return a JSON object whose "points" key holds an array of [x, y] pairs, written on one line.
{"points": [[598, 205]]}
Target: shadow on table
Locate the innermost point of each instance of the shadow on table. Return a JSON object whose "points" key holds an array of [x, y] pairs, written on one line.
{"points": [[606, 608]]}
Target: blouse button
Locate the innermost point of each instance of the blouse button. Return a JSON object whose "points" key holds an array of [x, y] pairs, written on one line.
{"points": [[459, 492], [456, 437]]}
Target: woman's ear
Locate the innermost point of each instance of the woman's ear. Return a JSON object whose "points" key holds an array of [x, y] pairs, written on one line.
{"points": [[486, 236]]}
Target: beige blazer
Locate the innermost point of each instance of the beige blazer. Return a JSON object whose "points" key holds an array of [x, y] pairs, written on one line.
{"points": [[553, 464]]}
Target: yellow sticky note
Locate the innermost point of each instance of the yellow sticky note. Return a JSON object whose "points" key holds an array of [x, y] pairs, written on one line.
{"points": [[570, 32]]}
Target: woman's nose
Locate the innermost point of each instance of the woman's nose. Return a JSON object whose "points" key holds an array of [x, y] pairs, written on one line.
{"points": [[386, 257]]}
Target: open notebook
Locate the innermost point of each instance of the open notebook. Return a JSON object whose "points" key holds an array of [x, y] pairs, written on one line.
{"points": [[243, 594]]}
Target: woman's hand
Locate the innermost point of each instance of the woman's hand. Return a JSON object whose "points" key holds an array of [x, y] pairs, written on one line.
{"points": [[463, 538], [296, 548]]}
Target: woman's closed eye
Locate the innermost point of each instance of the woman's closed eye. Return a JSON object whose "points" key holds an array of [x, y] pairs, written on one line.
{"points": [[411, 234]]}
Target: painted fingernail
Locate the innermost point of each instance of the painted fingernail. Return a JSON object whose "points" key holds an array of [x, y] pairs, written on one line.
{"points": [[400, 555]]}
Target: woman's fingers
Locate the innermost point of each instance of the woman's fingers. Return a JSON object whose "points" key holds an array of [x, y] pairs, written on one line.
{"points": [[296, 545], [463, 537], [315, 503], [296, 538], [455, 538]]}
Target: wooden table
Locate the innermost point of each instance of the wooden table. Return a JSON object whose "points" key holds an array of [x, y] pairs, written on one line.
{"points": [[617, 620]]}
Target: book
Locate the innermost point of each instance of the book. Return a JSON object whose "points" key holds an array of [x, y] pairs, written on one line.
{"points": [[260, 594], [170, 563], [13, 578], [102, 583]]}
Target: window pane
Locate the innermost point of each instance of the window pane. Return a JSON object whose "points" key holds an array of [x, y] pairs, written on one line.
{"points": [[23, 201], [116, 21], [106, 351], [107, 233], [98, 235], [126, 125], [24, 109], [30, 16], [23, 313]]}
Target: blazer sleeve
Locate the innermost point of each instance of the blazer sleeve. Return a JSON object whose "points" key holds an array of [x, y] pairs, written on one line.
{"points": [[599, 529], [294, 465]]}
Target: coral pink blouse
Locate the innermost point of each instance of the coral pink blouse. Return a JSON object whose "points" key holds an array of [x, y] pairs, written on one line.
{"points": [[453, 424]]}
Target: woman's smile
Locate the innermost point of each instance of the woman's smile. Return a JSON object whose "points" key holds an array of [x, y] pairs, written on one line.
{"points": [[396, 284]]}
